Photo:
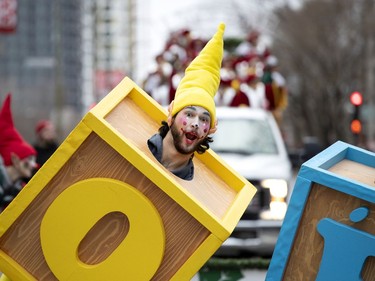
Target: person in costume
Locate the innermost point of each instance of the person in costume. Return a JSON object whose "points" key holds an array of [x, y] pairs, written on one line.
{"points": [[239, 97], [17, 157], [192, 113], [255, 91], [275, 88]]}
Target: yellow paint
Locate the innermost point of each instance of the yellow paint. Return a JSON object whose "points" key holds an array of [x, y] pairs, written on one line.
{"points": [[75, 212], [13, 269], [198, 259], [4, 278]]}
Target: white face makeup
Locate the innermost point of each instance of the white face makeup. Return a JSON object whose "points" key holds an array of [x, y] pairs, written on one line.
{"points": [[190, 127]]}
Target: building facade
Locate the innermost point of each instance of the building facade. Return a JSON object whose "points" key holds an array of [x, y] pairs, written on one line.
{"points": [[63, 57]]}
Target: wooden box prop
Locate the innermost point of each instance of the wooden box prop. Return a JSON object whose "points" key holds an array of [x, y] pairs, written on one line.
{"points": [[103, 208], [329, 229]]}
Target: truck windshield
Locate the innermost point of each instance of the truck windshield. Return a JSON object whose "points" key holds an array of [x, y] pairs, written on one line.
{"points": [[244, 136]]}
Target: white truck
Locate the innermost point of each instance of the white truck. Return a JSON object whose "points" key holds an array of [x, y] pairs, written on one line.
{"points": [[250, 141]]}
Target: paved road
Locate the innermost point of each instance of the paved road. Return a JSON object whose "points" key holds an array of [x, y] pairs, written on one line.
{"points": [[249, 275]]}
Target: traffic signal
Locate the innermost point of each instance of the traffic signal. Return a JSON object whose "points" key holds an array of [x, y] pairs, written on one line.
{"points": [[356, 98], [356, 124]]}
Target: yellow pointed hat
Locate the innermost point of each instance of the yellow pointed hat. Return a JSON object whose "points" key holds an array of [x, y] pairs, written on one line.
{"points": [[202, 78]]}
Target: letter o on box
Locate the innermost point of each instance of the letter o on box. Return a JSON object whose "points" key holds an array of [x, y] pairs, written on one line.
{"points": [[76, 210]]}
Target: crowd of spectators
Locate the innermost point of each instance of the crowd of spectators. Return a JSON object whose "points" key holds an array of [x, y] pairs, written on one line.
{"points": [[249, 75]]}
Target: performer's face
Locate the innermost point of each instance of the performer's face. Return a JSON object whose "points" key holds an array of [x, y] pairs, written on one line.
{"points": [[189, 128]]}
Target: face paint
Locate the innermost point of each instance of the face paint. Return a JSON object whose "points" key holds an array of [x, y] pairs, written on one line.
{"points": [[183, 120], [198, 119], [190, 128], [205, 127]]}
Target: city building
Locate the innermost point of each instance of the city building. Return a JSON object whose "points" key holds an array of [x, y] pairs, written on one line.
{"points": [[62, 57]]}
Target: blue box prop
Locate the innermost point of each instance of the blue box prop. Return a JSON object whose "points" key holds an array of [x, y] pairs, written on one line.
{"points": [[329, 230]]}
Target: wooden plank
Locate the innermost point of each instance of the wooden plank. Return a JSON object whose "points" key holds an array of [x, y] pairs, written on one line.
{"points": [[355, 171]]}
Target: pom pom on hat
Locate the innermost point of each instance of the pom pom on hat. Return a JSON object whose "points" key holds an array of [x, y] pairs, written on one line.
{"points": [[202, 78], [272, 61], [10, 139]]}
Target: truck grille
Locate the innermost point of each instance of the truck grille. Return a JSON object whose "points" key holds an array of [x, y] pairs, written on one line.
{"points": [[260, 201]]}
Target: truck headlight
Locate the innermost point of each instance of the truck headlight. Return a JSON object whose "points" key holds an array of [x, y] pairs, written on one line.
{"points": [[278, 191], [278, 188]]}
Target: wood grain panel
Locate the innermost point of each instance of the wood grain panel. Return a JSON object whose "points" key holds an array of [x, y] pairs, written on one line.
{"points": [[95, 158], [103, 238], [356, 171], [206, 187], [307, 250]]}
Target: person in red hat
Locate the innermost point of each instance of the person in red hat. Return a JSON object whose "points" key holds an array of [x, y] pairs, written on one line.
{"points": [[17, 157], [251, 49], [240, 98], [45, 144], [255, 91]]}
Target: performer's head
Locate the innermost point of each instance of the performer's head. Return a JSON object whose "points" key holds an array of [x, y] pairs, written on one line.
{"points": [[192, 113]]}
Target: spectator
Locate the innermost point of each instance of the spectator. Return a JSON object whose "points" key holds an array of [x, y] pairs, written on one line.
{"points": [[275, 88], [225, 93], [255, 91], [46, 143], [239, 96], [251, 51], [156, 84], [17, 157]]}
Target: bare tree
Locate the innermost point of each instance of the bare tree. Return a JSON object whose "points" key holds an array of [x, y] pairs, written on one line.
{"points": [[321, 48]]}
